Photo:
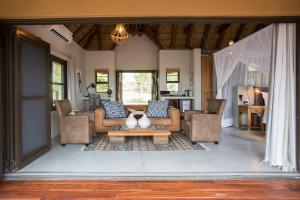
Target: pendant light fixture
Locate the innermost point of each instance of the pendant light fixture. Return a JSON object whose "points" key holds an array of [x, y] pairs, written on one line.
{"points": [[119, 34]]}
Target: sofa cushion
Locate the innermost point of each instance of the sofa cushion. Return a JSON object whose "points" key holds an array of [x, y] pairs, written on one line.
{"points": [[157, 109], [161, 121], [114, 109], [112, 122]]}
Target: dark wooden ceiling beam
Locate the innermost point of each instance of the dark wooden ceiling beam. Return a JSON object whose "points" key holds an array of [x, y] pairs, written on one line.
{"points": [[99, 27], [222, 28], [258, 27], [91, 37], [152, 35], [205, 36], [78, 29], [157, 32], [221, 31], [188, 30], [87, 34], [239, 32], [173, 36]]}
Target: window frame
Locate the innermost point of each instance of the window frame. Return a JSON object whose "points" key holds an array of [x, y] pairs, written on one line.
{"points": [[101, 82], [119, 82], [65, 79], [178, 80]]}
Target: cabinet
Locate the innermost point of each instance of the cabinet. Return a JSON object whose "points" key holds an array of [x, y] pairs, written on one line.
{"points": [[250, 110]]}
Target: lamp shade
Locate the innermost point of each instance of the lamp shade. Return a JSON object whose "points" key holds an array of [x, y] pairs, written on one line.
{"points": [[119, 34]]}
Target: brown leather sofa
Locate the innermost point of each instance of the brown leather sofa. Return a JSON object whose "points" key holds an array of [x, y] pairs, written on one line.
{"points": [[103, 125], [75, 129], [200, 126]]}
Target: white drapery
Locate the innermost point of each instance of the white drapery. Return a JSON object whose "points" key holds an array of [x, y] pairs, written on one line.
{"points": [[281, 126], [246, 63]]}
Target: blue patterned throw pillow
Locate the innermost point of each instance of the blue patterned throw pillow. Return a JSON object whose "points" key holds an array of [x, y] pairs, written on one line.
{"points": [[114, 109], [157, 109]]}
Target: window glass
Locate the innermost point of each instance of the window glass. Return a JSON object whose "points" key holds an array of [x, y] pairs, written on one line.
{"points": [[172, 79], [102, 81], [57, 72], [58, 83], [136, 87]]}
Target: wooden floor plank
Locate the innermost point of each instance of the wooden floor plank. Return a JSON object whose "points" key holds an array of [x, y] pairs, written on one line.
{"points": [[66, 189]]}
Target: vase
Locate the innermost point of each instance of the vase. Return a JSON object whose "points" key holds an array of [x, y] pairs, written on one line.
{"points": [[144, 122], [131, 122]]}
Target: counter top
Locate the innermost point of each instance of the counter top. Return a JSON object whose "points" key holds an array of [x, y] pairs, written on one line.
{"points": [[176, 97]]}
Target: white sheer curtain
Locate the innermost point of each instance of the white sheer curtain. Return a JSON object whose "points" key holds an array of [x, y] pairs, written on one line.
{"points": [[281, 126], [241, 76], [245, 63]]}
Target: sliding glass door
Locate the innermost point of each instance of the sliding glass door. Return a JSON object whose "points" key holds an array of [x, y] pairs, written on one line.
{"points": [[33, 107]]}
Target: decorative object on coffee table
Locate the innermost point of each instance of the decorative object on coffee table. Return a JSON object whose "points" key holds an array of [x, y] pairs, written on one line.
{"points": [[160, 134], [131, 122], [136, 113], [144, 122]]}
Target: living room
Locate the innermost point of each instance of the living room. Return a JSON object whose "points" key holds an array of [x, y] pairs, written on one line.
{"points": [[254, 46], [165, 62]]}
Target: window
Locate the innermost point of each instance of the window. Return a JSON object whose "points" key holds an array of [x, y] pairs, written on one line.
{"points": [[173, 78], [136, 87], [58, 80], [102, 80]]}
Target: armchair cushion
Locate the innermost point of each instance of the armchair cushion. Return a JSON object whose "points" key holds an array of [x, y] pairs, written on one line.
{"points": [[114, 109], [157, 109]]}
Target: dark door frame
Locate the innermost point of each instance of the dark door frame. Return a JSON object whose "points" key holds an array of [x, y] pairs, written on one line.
{"points": [[1, 109], [298, 95], [11, 130], [153, 20]]}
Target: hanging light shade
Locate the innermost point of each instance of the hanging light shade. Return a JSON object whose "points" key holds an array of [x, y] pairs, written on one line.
{"points": [[119, 34]]}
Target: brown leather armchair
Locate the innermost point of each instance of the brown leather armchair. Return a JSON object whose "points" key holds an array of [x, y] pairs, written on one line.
{"points": [[205, 126], [74, 129]]}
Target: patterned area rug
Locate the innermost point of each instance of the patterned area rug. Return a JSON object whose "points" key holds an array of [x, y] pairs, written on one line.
{"points": [[177, 142]]}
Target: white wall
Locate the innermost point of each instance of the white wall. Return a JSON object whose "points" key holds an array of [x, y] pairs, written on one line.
{"points": [[175, 59], [197, 78], [137, 53], [75, 57], [101, 60]]}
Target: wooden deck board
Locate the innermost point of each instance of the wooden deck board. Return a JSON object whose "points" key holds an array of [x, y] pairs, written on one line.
{"points": [[66, 189]]}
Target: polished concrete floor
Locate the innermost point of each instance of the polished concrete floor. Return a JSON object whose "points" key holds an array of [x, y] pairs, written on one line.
{"points": [[233, 154]]}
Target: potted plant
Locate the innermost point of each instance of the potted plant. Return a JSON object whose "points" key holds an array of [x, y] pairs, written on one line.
{"points": [[109, 92]]}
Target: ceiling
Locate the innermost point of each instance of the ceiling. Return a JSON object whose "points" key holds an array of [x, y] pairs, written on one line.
{"points": [[208, 37]]}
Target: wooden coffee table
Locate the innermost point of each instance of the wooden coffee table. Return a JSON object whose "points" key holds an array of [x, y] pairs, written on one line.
{"points": [[160, 134]]}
